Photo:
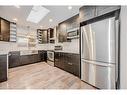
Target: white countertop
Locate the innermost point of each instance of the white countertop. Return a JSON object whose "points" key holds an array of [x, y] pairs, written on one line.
{"points": [[3, 52], [28, 52], [65, 51]]}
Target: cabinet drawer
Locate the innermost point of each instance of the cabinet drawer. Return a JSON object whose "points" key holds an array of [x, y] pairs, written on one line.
{"points": [[69, 67]]}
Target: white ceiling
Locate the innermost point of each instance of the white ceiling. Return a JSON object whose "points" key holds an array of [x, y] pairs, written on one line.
{"points": [[57, 13]]}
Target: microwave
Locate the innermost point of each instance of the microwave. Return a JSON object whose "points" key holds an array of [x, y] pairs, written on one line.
{"points": [[73, 33]]}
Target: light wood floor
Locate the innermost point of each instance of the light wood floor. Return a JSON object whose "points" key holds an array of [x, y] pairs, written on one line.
{"points": [[42, 76]]}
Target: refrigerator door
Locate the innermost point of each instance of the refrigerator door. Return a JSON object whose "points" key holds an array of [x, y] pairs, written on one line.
{"points": [[98, 41], [98, 74]]}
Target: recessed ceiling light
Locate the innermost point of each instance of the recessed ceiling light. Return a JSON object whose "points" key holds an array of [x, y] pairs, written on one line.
{"points": [[69, 7], [17, 6], [37, 14], [15, 19], [50, 20]]}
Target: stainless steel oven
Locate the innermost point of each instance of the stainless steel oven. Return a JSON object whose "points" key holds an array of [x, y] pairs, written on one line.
{"points": [[50, 58]]}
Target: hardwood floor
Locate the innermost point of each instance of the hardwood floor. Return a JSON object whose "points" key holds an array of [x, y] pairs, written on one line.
{"points": [[42, 76]]}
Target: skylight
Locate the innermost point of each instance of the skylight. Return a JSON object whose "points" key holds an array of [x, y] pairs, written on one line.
{"points": [[37, 14]]}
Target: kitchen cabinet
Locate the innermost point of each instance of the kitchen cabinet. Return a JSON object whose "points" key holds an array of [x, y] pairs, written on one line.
{"points": [[8, 31], [25, 59], [4, 30], [3, 68], [45, 36], [42, 55], [65, 26], [28, 59], [89, 12], [51, 35], [13, 32], [42, 36], [14, 59], [86, 13], [100, 10], [57, 59], [33, 58], [68, 62]]}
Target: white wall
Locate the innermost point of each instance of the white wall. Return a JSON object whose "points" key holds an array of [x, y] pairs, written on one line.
{"points": [[123, 62]]}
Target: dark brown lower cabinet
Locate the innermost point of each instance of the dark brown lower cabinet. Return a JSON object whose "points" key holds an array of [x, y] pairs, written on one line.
{"points": [[3, 68], [69, 62], [42, 55], [14, 59]]}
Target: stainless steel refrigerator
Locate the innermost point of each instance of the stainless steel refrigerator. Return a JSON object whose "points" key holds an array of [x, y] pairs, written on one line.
{"points": [[99, 53]]}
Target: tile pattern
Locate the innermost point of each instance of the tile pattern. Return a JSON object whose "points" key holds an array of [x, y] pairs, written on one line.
{"points": [[42, 76]]}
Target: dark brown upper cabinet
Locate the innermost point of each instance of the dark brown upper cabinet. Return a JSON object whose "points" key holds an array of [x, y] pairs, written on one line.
{"points": [[89, 12], [42, 36], [4, 30], [45, 36], [51, 34], [65, 26], [8, 31]]}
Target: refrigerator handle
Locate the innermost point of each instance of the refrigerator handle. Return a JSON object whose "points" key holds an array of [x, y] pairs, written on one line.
{"points": [[82, 42], [117, 73]]}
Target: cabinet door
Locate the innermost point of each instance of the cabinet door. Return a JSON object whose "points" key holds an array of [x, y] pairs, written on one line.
{"points": [[62, 36], [42, 36], [76, 61], [34, 58], [86, 13], [72, 23], [67, 64], [40, 55], [61, 61], [57, 59], [105, 9], [5, 30], [14, 59], [3, 68], [24, 59]]}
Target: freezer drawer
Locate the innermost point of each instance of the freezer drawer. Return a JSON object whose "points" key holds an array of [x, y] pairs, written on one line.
{"points": [[100, 76]]}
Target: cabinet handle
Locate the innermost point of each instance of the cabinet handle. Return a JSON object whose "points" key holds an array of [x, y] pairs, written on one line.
{"points": [[9, 54], [56, 59], [70, 63]]}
